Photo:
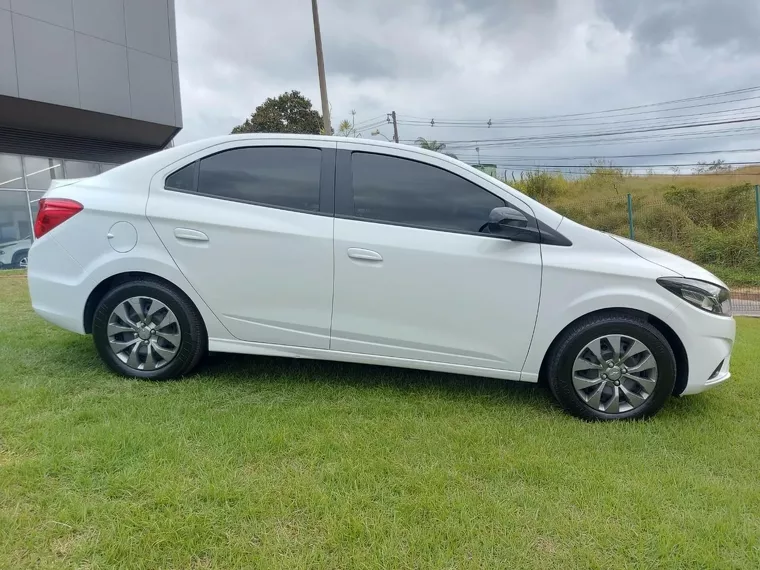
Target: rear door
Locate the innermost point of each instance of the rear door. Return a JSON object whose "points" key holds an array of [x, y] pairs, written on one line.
{"points": [[250, 225]]}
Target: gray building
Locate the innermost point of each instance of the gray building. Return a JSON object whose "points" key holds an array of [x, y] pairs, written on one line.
{"points": [[84, 85]]}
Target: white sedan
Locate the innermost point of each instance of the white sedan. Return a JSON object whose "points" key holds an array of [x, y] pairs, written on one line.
{"points": [[370, 252]]}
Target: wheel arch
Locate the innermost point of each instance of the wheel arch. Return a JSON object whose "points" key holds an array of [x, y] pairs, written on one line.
{"points": [[19, 254], [682, 361], [102, 288]]}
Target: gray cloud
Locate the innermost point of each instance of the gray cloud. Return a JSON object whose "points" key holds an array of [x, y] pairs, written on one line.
{"points": [[507, 16], [733, 24], [359, 61], [450, 59]]}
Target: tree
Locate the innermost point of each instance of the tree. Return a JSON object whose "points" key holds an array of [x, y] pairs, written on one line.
{"points": [[347, 128], [714, 167], [435, 146], [288, 113], [344, 128]]}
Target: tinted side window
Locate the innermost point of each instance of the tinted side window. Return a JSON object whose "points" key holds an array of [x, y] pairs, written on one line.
{"points": [[285, 177], [403, 191], [183, 179]]}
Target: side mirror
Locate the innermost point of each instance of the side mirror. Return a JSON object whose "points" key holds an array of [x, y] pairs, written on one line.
{"points": [[511, 223], [506, 217]]}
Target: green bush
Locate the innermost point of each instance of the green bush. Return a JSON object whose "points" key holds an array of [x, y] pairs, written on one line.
{"points": [[541, 186], [604, 177], [611, 216], [663, 223], [736, 247], [715, 227], [718, 208]]}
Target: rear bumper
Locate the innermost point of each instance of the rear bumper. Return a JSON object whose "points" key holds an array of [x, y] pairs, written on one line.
{"points": [[55, 285]]}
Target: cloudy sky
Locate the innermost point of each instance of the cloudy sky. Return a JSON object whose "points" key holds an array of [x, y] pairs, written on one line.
{"points": [[475, 60]]}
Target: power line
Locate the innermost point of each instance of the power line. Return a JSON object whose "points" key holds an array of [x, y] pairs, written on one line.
{"points": [[594, 157], [624, 166], [493, 125], [371, 126], [649, 105], [664, 138], [661, 139], [581, 170], [361, 124], [561, 136]]}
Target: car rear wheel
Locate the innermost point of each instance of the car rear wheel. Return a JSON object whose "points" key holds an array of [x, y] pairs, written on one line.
{"points": [[611, 367], [147, 329]]}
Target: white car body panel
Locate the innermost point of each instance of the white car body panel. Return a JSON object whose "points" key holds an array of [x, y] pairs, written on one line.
{"points": [[678, 265], [598, 273], [434, 296], [74, 258], [278, 282], [266, 273]]}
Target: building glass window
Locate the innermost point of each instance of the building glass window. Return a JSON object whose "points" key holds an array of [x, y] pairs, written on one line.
{"points": [[81, 169], [15, 229], [11, 175], [41, 171]]}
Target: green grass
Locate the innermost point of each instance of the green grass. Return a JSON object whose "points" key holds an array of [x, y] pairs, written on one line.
{"points": [[266, 463]]}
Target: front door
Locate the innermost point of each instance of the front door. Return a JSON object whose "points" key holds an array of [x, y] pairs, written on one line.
{"points": [[248, 229], [414, 276]]}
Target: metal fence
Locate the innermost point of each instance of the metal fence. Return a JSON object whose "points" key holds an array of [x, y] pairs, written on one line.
{"points": [[718, 229]]}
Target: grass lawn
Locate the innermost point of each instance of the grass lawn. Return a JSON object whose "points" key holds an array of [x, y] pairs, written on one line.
{"points": [[266, 463]]}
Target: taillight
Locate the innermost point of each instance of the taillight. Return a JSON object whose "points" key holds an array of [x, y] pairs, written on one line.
{"points": [[53, 212]]}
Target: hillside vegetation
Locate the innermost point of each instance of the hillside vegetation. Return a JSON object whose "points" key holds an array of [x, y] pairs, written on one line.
{"points": [[707, 218]]}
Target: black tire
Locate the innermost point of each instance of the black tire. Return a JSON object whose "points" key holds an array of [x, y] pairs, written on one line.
{"points": [[193, 342], [19, 257], [575, 338]]}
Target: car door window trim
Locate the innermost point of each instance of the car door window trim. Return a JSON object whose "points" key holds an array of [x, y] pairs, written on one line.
{"points": [[196, 171], [326, 180], [344, 195], [344, 203]]}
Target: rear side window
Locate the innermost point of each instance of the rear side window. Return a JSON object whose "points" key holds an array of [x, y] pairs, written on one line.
{"points": [[183, 179], [282, 177], [401, 191]]}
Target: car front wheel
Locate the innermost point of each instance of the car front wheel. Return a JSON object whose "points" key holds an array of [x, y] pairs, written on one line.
{"points": [[147, 329], [21, 259], [610, 367]]}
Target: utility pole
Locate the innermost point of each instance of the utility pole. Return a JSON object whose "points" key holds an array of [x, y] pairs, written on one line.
{"points": [[321, 69], [395, 126]]}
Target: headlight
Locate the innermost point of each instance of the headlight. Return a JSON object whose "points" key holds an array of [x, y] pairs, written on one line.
{"points": [[707, 296]]}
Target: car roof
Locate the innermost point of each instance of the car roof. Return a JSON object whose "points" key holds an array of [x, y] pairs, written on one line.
{"points": [[136, 171]]}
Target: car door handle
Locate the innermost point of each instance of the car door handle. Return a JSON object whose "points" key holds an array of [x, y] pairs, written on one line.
{"points": [[188, 234], [364, 254]]}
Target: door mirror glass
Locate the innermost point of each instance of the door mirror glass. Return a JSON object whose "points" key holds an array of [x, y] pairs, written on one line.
{"points": [[511, 223], [506, 217]]}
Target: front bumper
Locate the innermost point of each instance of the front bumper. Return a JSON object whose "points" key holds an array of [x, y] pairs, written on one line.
{"points": [[708, 340]]}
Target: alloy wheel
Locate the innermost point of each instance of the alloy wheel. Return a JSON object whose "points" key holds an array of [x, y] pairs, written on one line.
{"points": [[144, 333], [614, 373]]}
